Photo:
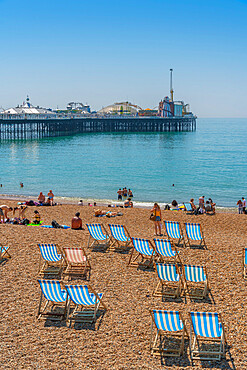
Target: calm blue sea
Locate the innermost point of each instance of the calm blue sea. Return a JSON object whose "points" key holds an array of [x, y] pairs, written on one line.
{"points": [[210, 162]]}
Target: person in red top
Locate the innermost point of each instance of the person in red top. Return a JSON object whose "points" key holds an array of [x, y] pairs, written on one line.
{"points": [[76, 222]]}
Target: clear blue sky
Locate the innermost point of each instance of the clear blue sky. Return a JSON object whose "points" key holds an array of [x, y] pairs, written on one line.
{"points": [[101, 52]]}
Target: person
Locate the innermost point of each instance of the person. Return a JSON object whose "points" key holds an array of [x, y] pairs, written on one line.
{"points": [[240, 206], [127, 203], [80, 203], [101, 212], [201, 202], [120, 193], [175, 205], [131, 204], [76, 222], [157, 221], [212, 205], [4, 210], [22, 209], [243, 204], [130, 194], [50, 197], [193, 206], [208, 207], [21, 184], [41, 198], [125, 192], [36, 217]]}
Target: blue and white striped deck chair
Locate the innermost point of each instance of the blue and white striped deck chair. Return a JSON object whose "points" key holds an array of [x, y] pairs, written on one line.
{"points": [[169, 281], [195, 281], [174, 231], [120, 236], [164, 251], [167, 324], [144, 249], [245, 263], [4, 252], [188, 208], [98, 233], [194, 232], [207, 328], [53, 294], [51, 263], [86, 302]]}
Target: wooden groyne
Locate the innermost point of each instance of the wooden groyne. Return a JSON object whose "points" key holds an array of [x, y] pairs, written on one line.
{"points": [[15, 129]]}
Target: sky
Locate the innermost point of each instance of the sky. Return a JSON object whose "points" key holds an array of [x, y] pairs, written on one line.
{"points": [[101, 52]]}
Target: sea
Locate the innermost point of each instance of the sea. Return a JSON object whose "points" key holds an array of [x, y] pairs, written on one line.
{"points": [[157, 167]]}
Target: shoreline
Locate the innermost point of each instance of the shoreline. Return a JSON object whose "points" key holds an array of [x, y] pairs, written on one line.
{"points": [[104, 202]]}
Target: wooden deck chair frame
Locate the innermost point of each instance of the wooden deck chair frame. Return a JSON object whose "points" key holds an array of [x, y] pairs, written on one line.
{"points": [[133, 260], [244, 265], [4, 252], [182, 237], [196, 290], [173, 289], [76, 269], [197, 354], [99, 243], [202, 242], [51, 315], [156, 349], [85, 314], [176, 259], [47, 268], [114, 241]]}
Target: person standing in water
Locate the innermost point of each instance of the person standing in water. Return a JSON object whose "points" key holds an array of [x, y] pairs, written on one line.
{"points": [[157, 221]]}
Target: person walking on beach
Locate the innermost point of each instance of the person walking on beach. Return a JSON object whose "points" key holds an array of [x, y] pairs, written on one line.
{"points": [[50, 197], [4, 210], [243, 204], [157, 221], [120, 193], [240, 206]]}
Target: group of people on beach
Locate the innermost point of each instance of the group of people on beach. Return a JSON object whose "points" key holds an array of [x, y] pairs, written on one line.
{"points": [[46, 202], [124, 193], [241, 203], [207, 207]]}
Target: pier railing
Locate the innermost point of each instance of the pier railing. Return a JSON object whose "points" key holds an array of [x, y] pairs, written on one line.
{"points": [[15, 129]]}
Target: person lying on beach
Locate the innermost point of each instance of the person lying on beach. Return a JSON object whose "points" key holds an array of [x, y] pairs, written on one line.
{"points": [[50, 197], [22, 209], [41, 198], [4, 210], [36, 217], [76, 222], [101, 212]]}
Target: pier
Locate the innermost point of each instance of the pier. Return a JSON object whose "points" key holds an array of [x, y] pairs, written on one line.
{"points": [[30, 128]]}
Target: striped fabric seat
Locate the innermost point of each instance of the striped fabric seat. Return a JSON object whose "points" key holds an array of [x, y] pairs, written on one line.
{"points": [[194, 273], [188, 207], [167, 320], [80, 295], [74, 255], [164, 249], [4, 253], [167, 272], [206, 324], [174, 232], [118, 233], [52, 290], [245, 256], [172, 323], [142, 246], [49, 252], [245, 263], [193, 231], [96, 232]]}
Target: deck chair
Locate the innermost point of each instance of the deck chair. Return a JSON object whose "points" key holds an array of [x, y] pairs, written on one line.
{"points": [[144, 250], [54, 296], [188, 208], [120, 236], [209, 336], [170, 327], [169, 281], [194, 232], [100, 236], [174, 231], [245, 263], [86, 303], [50, 263], [195, 281], [4, 252], [164, 251], [77, 262]]}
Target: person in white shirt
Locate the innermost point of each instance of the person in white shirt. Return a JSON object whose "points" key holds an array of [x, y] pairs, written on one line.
{"points": [[243, 204]]}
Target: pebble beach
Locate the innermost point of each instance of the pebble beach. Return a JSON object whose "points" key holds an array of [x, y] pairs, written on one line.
{"points": [[120, 338]]}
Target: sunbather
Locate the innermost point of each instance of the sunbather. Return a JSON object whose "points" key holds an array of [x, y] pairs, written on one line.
{"points": [[4, 210], [76, 222]]}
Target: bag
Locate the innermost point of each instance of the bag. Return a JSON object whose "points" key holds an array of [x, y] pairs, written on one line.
{"points": [[152, 217], [167, 207], [56, 225]]}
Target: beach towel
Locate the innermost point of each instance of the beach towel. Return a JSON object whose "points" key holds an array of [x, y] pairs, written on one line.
{"points": [[51, 227]]}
